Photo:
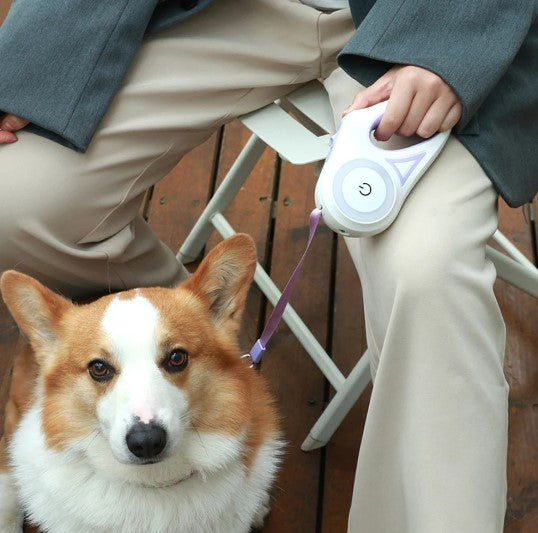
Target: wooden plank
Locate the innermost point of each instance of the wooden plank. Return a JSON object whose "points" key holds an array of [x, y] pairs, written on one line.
{"points": [[4, 8], [180, 197], [298, 383], [520, 312], [516, 225], [533, 215], [9, 337], [10, 342], [348, 344]]}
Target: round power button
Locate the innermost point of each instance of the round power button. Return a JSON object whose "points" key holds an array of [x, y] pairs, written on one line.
{"points": [[364, 189]]}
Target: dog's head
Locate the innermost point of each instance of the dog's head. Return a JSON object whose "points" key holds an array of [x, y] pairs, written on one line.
{"points": [[148, 376]]}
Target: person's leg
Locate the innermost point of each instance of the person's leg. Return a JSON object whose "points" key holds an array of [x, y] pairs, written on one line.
{"points": [[433, 453], [72, 219]]}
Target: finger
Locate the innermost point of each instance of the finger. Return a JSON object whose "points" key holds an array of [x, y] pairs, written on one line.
{"points": [[377, 92], [452, 117], [397, 109], [12, 123], [434, 118], [421, 103], [6, 137]]}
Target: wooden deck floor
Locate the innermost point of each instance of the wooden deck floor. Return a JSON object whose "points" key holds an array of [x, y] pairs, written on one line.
{"points": [[314, 489]]}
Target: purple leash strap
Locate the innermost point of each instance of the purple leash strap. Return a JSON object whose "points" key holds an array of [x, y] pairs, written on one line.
{"points": [[259, 347]]}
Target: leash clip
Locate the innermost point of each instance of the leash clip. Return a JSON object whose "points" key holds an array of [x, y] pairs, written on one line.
{"points": [[252, 364]]}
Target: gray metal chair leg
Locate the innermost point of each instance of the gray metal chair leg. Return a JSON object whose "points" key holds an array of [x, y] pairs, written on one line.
{"points": [[339, 406], [515, 273], [222, 198]]}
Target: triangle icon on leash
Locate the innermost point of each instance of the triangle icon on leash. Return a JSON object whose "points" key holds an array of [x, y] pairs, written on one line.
{"points": [[406, 165]]}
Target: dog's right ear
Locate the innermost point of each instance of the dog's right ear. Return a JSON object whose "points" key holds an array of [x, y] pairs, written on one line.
{"points": [[223, 279], [36, 309]]}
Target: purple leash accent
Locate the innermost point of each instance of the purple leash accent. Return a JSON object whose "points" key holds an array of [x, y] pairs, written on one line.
{"points": [[259, 347]]}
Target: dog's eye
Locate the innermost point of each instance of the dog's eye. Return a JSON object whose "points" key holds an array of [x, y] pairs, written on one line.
{"points": [[100, 371], [176, 360]]}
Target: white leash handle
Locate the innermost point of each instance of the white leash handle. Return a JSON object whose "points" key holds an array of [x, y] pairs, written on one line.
{"points": [[362, 186]]}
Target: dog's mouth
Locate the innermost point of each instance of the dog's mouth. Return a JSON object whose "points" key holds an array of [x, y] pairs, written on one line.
{"points": [[166, 483]]}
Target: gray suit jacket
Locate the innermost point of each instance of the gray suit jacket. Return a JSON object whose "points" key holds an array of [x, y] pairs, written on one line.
{"points": [[486, 51], [61, 63]]}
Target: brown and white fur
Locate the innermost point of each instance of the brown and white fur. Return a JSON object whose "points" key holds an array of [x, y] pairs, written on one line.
{"points": [[135, 413]]}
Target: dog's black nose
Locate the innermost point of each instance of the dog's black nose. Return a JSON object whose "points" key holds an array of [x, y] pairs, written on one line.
{"points": [[146, 440]]}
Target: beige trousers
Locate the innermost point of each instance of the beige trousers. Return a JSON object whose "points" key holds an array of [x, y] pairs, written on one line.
{"points": [[434, 447], [433, 451]]}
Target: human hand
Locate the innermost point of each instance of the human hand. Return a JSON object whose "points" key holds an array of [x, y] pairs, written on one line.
{"points": [[9, 124], [420, 102]]}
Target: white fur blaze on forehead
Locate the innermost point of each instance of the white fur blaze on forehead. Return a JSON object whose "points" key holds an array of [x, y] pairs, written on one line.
{"points": [[130, 326]]}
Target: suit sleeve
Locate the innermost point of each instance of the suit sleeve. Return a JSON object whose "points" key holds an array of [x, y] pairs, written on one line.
{"points": [[470, 45], [62, 61]]}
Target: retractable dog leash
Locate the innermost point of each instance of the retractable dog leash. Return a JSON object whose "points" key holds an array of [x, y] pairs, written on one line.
{"points": [[360, 191], [362, 186]]}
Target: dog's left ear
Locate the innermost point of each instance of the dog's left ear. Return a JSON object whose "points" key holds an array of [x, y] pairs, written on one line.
{"points": [[223, 279], [36, 309]]}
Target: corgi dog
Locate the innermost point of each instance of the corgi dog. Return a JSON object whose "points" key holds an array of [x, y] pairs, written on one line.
{"points": [[136, 413]]}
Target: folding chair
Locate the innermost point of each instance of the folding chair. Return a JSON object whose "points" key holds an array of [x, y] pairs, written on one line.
{"points": [[300, 138]]}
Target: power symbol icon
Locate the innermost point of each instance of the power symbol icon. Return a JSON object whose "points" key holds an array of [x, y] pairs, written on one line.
{"points": [[365, 188]]}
